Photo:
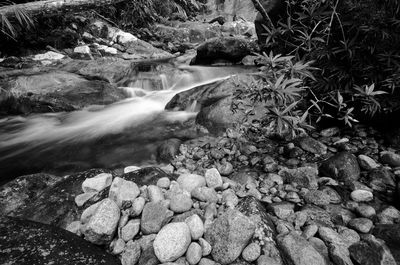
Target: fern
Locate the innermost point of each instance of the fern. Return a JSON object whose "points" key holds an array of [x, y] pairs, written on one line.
{"points": [[21, 19]]}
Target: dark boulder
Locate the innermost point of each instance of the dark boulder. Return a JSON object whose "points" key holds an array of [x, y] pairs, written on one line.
{"points": [[342, 166], [27, 242], [232, 49], [371, 251], [146, 176], [167, 150], [390, 233]]}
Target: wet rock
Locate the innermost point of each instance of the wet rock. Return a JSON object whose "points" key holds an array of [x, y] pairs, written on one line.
{"points": [[389, 215], [367, 163], [342, 166], [371, 251], [232, 49], [390, 233], [102, 225], [27, 242], [302, 176], [366, 211], [362, 225], [338, 249], [361, 196], [311, 145], [299, 251], [382, 180], [153, 217], [146, 176], [56, 205], [172, 241], [229, 235], [123, 191], [168, 149], [390, 158]]}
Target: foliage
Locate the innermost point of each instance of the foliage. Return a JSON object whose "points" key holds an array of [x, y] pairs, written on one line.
{"points": [[353, 43], [11, 27], [279, 87]]}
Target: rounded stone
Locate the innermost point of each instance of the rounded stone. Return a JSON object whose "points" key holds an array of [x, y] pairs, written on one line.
{"points": [[196, 226], [172, 241], [362, 225], [251, 252], [361, 196], [163, 183], [130, 230], [189, 182], [155, 193], [194, 253], [213, 178], [366, 211], [180, 203], [205, 261], [205, 247]]}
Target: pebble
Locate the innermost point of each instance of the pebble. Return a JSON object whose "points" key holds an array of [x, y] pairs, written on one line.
{"points": [[189, 182], [155, 193], [180, 203], [194, 253], [172, 241], [317, 197], [131, 169], [137, 206], [163, 183], [205, 261], [131, 254], [205, 247], [81, 199], [361, 196], [123, 191], [310, 231], [205, 194], [367, 163], [213, 178], [390, 158], [251, 252], [130, 230], [282, 210], [119, 246], [362, 225], [196, 226], [366, 211]]}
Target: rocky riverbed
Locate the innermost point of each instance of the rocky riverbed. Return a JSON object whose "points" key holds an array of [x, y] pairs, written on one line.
{"points": [[328, 198]]}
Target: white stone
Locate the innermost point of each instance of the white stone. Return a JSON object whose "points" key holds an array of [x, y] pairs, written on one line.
{"points": [[88, 212], [97, 183], [106, 49], [81, 199], [205, 247], [48, 56], [74, 227], [163, 183], [137, 206], [131, 169], [172, 242], [125, 37], [189, 182], [213, 178], [102, 225], [196, 226], [82, 49], [180, 203], [122, 191], [367, 163], [361, 196]]}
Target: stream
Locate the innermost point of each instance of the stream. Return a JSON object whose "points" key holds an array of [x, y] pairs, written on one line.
{"points": [[125, 133]]}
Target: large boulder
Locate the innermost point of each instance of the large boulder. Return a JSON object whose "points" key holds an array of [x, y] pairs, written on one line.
{"points": [[27, 242], [371, 251], [54, 91], [232, 49], [229, 235]]}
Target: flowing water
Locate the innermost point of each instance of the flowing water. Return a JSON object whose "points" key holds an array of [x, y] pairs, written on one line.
{"points": [[113, 136]]}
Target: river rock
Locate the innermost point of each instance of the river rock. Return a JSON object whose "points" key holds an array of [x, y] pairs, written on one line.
{"points": [[153, 216], [180, 203], [229, 235], [382, 180], [371, 251], [168, 149], [172, 241], [194, 253], [196, 226], [155, 193], [137, 206], [205, 246], [232, 49], [27, 242], [311, 145], [81, 199], [102, 225], [163, 183], [189, 182], [213, 178], [282, 209], [131, 253], [362, 196], [303, 176], [390, 158], [390, 233], [299, 251], [367, 163], [205, 194], [251, 252], [97, 183], [317, 197], [123, 191], [338, 248], [362, 225], [146, 176], [342, 166], [130, 230]]}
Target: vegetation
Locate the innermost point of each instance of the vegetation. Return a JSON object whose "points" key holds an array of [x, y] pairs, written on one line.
{"points": [[353, 47], [10, 27]]}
